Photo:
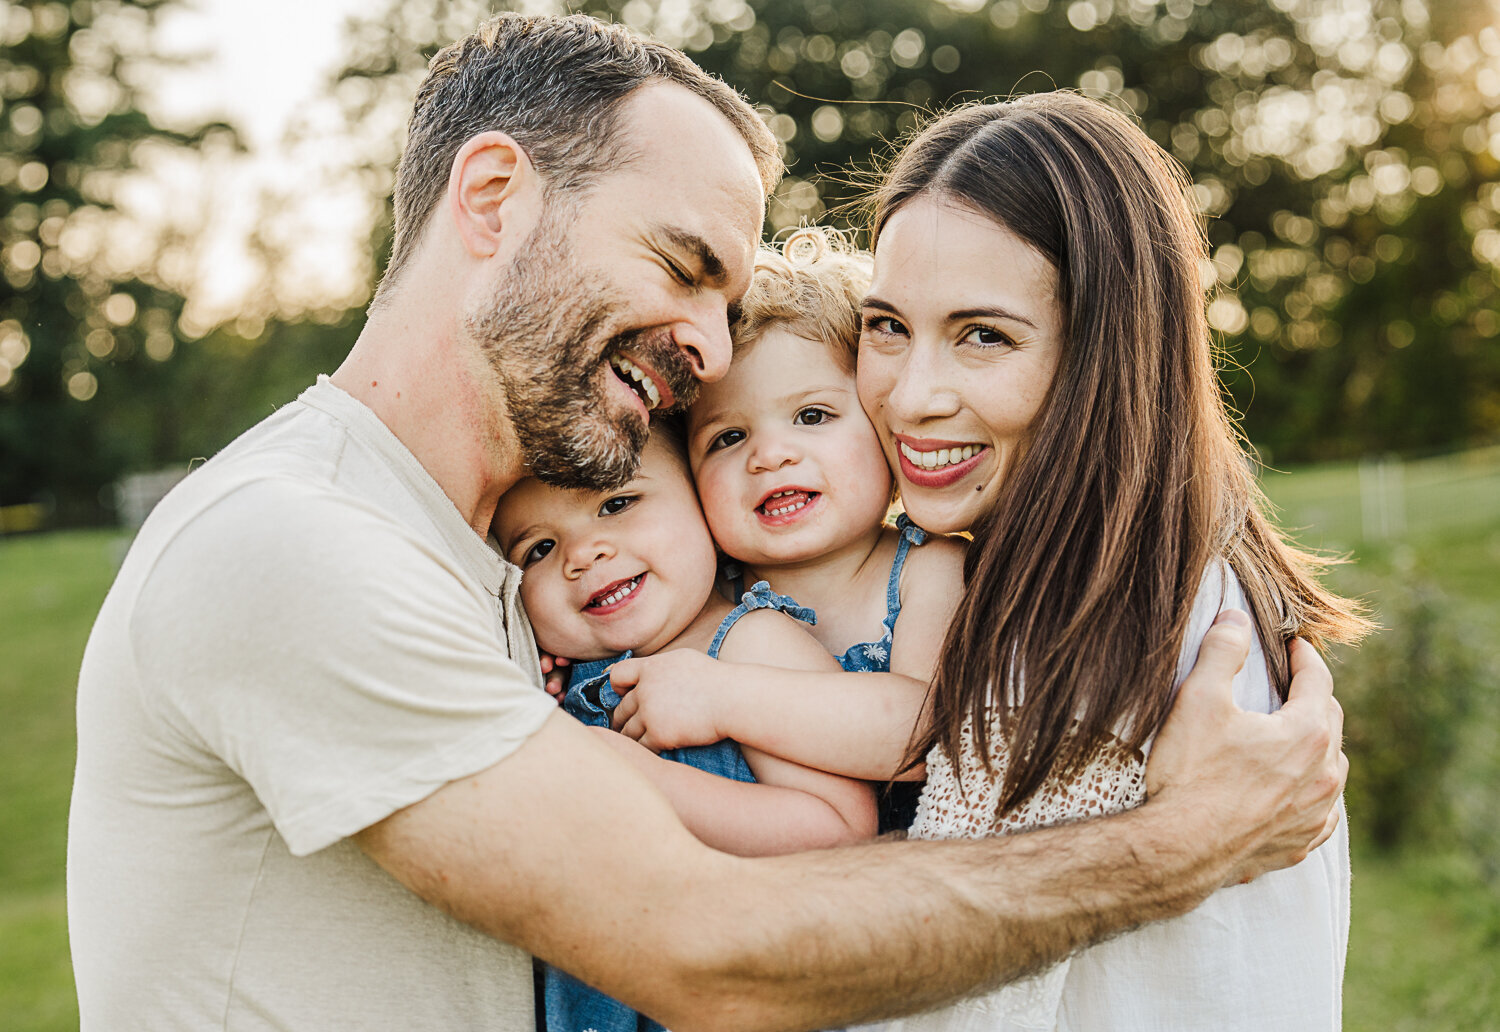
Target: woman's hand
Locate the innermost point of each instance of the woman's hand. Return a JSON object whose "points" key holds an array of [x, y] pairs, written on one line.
{"points": [[669, 699]]}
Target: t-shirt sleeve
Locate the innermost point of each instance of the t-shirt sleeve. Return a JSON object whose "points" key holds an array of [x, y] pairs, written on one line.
{"points": [[326, 654]]}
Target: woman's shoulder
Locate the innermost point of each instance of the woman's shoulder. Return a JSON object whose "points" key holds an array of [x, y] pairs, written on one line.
{"points": [[1219, 590]]}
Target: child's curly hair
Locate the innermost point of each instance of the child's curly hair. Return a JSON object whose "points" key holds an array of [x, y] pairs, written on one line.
{"points": [[812, 285]]}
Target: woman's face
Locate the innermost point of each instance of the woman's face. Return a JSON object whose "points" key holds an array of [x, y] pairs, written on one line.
{"points": [[961, 335]]}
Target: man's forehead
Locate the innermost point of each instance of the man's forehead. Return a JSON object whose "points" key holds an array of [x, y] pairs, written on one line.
{"points": [[693, 171]]}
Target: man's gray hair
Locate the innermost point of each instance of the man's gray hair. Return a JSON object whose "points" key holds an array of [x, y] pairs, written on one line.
{"points": [[555, 85]]}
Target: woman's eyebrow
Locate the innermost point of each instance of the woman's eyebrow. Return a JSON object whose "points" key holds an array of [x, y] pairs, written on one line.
{"points": [[990, 312], [980, 312]]}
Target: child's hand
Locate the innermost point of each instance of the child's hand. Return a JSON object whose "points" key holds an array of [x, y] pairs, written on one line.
{"points": [[558, 671], [668, 699]]}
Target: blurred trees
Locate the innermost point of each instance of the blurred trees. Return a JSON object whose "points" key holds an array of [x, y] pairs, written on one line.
{"points": [[1344, 152], [86, 332]]}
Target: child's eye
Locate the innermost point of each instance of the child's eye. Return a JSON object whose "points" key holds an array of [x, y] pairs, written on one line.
{"points": [[616, 505], [537, 552], [812, 416], [725, 439], [987, 337]]}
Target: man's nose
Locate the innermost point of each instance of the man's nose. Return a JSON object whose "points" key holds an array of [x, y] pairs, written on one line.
{"points": [[703, 338]]}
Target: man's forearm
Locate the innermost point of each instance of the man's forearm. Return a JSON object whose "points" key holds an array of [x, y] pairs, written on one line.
{"points": [[937, 920], [611, 887]]}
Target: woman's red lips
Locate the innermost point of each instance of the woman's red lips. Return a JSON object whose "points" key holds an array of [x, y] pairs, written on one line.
{"points": [[951, 467]]}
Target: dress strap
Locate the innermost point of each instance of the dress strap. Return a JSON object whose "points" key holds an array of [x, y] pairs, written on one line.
{"points": [[733, 574], [760, 596], [911, 534]]}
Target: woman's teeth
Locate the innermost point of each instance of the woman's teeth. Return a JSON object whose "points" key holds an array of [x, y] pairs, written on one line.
{"points": [[636, 377], [802, 498], [616, 595], [941, 457]]}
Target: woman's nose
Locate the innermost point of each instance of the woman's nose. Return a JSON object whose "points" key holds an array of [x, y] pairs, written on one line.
{"points": [[922, 388]]}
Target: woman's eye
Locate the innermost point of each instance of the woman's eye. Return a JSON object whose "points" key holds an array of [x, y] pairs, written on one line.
{"points": [[537, 552], [725, 439], [882, 326], [988, 337], [617, 504], [812, 417]]}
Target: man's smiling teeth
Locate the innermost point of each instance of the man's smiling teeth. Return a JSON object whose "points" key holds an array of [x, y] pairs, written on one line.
{"points": [[941, 457], [801, 502], [616, 595], [637, 377]]}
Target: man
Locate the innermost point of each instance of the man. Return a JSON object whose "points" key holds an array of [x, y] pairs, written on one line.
{"points": [[318, 782]]}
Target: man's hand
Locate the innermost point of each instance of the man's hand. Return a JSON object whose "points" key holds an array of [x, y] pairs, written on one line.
{"points": [[669, 699], [1268, 783]]}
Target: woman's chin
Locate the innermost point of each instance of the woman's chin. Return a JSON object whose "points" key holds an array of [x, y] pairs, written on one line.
{"points": [[942, 515]]}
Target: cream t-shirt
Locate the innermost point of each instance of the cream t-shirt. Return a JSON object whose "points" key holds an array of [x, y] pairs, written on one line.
{"points": [[305, 637]]}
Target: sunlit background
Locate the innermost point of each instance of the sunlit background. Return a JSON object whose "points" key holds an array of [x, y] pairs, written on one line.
{"points": [[194, 208]]}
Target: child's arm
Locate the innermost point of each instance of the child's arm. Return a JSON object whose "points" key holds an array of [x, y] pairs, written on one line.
{"points": [[790, 807], [859, 725], [856, 724], [788, 811]]}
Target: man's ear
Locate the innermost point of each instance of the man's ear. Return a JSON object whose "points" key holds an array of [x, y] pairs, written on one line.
{"points": [[493, 192]]}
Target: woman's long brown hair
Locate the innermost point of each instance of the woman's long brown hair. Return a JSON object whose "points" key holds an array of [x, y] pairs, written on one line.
{"points": [[1083, 576]]}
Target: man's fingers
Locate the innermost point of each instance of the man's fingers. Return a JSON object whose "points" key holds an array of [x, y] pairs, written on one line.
{"points": [[1311, 681], [1223, 652]]}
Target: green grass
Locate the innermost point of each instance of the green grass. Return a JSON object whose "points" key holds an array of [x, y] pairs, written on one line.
{"points": [[50, 587], [1425, 941]]}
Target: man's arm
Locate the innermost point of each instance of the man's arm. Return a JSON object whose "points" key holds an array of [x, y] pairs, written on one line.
{"points": [[699, 939]]}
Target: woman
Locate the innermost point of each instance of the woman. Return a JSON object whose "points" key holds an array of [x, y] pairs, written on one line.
{"points": [[1037, 307], [1035, 358]]}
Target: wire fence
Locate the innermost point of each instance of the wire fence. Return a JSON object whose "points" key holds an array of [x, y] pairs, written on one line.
{"points": [[1385, 499]]}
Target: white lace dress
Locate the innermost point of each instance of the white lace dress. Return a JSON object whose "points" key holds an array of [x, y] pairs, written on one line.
{"points": [[1269, 955]]}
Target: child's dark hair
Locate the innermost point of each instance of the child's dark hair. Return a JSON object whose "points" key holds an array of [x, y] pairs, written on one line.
{"points": [[671, 429], [813, 286]]}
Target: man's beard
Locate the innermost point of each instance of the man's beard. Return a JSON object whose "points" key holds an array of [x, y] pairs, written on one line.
{"points": [[546, 335]]}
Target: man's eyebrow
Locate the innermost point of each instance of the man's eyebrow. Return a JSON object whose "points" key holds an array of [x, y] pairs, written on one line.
{"points": [[710, 265], [981, 312]]}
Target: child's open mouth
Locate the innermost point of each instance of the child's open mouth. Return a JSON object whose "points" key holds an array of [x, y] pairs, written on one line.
{"points": [[783, 506], [614, 595]]}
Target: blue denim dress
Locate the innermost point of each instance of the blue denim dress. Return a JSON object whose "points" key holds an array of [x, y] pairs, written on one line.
{"points": [[571, 1005], [898, 802]]}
